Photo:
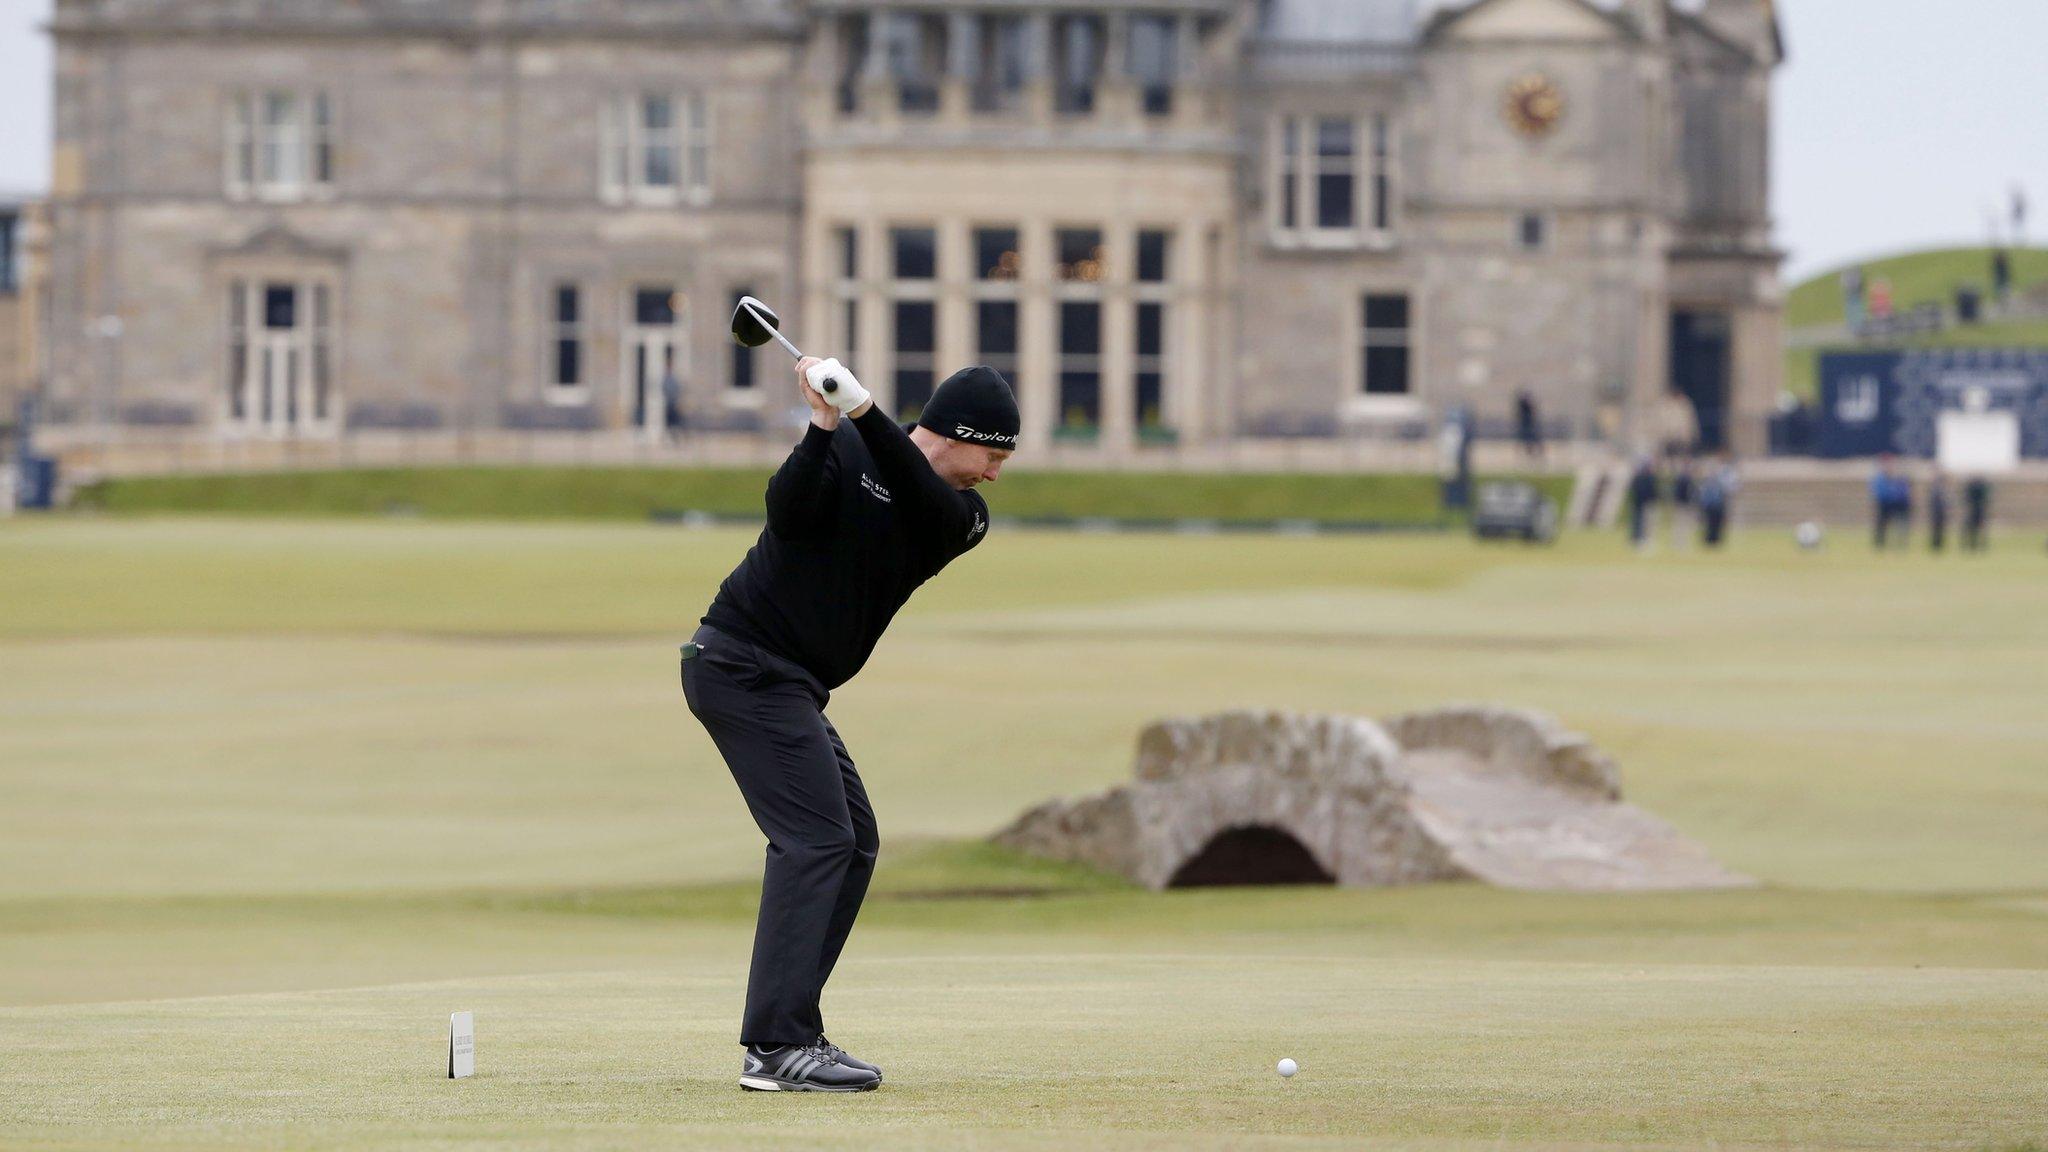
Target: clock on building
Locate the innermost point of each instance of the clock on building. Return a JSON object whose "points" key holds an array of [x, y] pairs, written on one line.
{"points": [[1534, 105]]}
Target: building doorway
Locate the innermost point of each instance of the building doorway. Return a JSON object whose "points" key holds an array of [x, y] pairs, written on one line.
{"points": [[654, 347], [279, 365], [1702, 357]]}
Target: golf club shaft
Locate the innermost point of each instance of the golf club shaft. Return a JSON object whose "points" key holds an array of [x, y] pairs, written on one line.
{"points": [[829, 385]]}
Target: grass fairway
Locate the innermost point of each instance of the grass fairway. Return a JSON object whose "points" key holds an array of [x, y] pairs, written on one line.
{"points": [[280, 795]]}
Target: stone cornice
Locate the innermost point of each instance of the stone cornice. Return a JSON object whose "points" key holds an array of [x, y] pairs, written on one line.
{"points": [[720, 20]]}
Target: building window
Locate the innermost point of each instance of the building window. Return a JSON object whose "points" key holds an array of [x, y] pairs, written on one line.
{"points": [[916, 343], [1384, 346], [846, 241], [280, 144], [1150, 374], [1155, 254], [1001, 64], [1152, 63], [1319, 176], [1081, 258], [996, 254], [1336, 174], [1533, 232], [995, 335], [916, 252], [10, 275], [1080, 364], [657, 148], [656, 347], [568, 340], [846, 286], [1078, 68], [1290, 174], [916, 44], [997, 265], [280, 340], [742, 356], [1382, 175], [853, 59], [1153, 246]]}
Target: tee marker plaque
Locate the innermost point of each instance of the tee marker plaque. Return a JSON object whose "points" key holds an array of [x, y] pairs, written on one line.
{"points": [[461, 1045]]}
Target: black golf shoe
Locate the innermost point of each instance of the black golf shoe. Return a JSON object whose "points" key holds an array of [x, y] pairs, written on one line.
{"points": [[801, 1068], [847, 1058]]}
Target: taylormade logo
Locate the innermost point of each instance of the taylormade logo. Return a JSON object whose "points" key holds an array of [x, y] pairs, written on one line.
{"points": [[963, 432]]}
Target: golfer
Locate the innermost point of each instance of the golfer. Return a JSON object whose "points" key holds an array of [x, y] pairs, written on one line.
{"points": [[861, 513]]}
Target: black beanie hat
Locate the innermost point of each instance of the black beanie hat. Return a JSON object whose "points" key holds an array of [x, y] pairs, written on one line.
{"points": [[976, 405]]}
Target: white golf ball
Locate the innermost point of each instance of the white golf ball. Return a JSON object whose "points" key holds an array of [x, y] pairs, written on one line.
{"points": [[1808, 535], [1289, 1067]]}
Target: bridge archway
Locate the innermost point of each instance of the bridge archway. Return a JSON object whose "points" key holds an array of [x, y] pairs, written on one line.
{"points": [[1252, 854]]}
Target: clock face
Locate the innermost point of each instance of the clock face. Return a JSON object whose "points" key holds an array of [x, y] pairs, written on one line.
{"points": [[1534, 105]]}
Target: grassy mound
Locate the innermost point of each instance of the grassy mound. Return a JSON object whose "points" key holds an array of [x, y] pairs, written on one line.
{"points": [[1916, 277]]}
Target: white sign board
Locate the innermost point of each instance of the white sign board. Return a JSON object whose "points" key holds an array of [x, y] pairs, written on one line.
{"points": [[461, 1045], [1976, 442]]}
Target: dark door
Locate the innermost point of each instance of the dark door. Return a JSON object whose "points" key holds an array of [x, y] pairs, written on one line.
{"points": [[1701, 356]]}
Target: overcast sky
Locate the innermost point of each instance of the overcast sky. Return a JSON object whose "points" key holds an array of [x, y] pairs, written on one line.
{"points": [[1900, 123]]}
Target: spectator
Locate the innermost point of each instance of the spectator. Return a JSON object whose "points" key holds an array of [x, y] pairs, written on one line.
{"points": [[1528, 428], [1881, 299], [1852, 297], [1891, 502], [1976, 513], [1642, 502], [671, 397], [1454, 459], [1685, 495], [1937, 512], [2001, 276], [1717, 498]]}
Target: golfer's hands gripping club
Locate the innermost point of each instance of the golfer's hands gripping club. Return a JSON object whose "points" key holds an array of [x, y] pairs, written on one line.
{"points": [[811, 373]]}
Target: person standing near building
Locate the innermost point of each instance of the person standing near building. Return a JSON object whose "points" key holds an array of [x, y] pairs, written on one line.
{"points": [[1454, 460], [1852, 297], [1891, 503], [1937, 513], [1685, 494], [1717, 499], [1642, 502], [859, 516], [1976, 513], [1528, 425], [671, 398]]}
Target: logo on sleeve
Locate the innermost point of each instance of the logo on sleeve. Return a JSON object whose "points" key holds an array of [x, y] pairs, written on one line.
{"points": [[980, 526], [874, 489]]}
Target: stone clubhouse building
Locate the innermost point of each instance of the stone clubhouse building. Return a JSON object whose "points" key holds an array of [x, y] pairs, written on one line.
{"points": [[1173, 224]]}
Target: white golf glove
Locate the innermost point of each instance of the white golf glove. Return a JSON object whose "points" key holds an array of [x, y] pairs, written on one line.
{"points": [[847, 395]]}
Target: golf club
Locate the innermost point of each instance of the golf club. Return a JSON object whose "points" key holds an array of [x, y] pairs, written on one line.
{"points": [[754, 324]]}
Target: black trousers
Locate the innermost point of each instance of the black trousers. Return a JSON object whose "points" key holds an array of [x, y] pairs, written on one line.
{"points": [[767, 717]]}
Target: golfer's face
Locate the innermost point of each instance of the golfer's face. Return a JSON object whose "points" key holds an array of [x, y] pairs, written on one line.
{"points": [[969, 465]]}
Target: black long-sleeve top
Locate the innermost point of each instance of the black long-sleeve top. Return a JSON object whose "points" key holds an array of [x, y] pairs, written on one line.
{"points": [[857, 520]]}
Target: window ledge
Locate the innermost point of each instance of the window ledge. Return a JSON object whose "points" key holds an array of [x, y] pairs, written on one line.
{"points": [[1330, 240], [575, 396], [1382, 406], [749, 398]]}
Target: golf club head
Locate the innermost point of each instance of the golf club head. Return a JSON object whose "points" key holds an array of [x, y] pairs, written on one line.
{"points": [[754, 323]]}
